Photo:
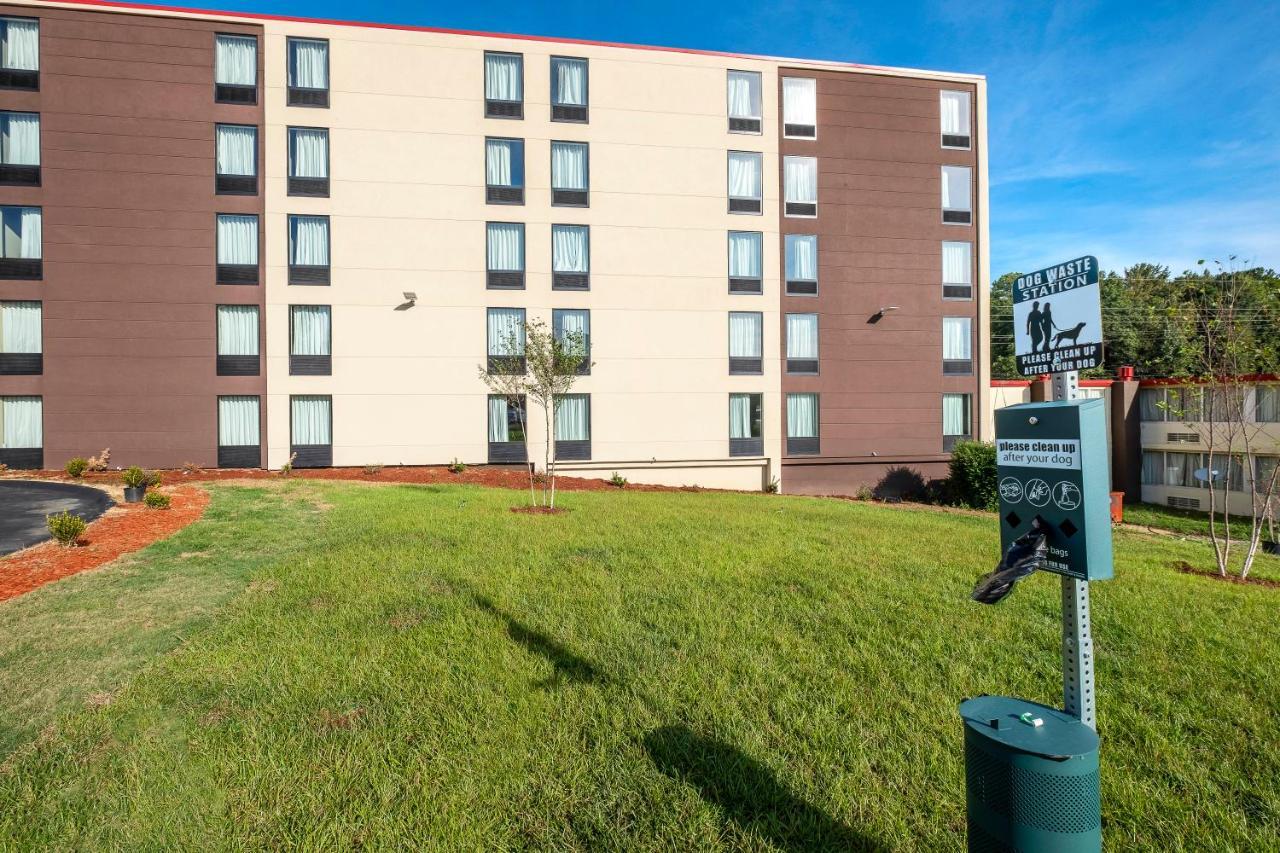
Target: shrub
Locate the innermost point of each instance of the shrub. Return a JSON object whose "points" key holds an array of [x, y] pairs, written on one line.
{"points": [[136, 478], [99, 462], [373, 470], [772, 486], [190, 468], [618, 481], [972, 480], [77, 466], [287, 468], [457, 466], [65, 527], [157, 500]]}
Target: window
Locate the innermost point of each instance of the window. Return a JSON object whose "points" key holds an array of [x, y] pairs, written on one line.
{"points": [[19, 53], [1152, 468], [504, 248], [238, 340], [1264, 468], [507, 429], [311, 430], [1179, 469], [1267, 404], [801, 185], [309, 161], [572, 328], [310, 340], [504, 171], [20, 148], [569, 174], [237, 159], [745, 182], [308, 249], [237, 236], [21, 249], [746, 424], [802, 343], [503, 85], [802, 265], [22, 432], [1151, 404], [956, 195], [746, 329], [573, 427], [799, 107], [802, 424], [568, 89], [235, 69], [239, 432], [746, 262], [744, 102], [308, 72], [957, 270], [1170, 404], [957, 346], [955, 119], [957, 420], [570, 257], [1191, 471], [506, 341], [21, 346]]}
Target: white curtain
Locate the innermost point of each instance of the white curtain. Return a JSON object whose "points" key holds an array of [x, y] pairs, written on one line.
{"points": [[568, 166], [802, 416], [570, 248], [308, 64], [30, 237], [237, 239], [498, 419], [575, 323], [237, 330], [744, 174], [1267, 404], [237, 149], [503, 162], [745, 330], [236, 60], [311, 423], [744, 94], [801, 179], [21, 422], [309, 241], [20, 327], [957, 263], [955, 188], [802, 336], [799, 100], [956, 342], [740, 416], [569, 82], [238, 422], [802, 257], [955, 113], [502, 77], [1149, 400], [573, 417], [1179, 470], [21, 49], [506, 246], [20, 145], [955, 414], [1152, 468], [745, 254], [308, 152], [506, 330], [310, 329]]}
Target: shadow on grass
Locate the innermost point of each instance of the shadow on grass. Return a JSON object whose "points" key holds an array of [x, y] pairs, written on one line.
{"points": [[568, 666], [749, 793]]}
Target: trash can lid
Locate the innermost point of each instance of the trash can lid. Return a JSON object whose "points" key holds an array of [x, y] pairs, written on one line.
{"points": [[1011, 722]]}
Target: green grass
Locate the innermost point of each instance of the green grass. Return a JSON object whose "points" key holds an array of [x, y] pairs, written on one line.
{"points": [[1184, 521], [647, 671]]}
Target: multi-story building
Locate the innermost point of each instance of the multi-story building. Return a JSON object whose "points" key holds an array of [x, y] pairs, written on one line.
{"points": [[229, 239]]}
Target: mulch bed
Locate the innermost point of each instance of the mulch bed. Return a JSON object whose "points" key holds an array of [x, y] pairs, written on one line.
{"points": [[123, 529], [1188, 569]]}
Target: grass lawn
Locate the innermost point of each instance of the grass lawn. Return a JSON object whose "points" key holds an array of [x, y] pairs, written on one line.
{"points": [[1185, 521], [328, 665]]}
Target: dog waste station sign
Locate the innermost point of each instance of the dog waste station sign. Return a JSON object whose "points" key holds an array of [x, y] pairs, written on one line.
{"points": [[1057, 318]]}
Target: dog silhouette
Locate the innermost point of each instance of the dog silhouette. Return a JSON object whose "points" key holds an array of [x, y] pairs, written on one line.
{"points": [[1073, 334]]}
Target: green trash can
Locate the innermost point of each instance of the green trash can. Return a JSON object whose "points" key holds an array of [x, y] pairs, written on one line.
{"points": [[1029, 788]]}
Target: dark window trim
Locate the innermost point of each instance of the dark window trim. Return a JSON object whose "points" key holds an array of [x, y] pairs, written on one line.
{"points": [[507, 452], [744, 205], [575, 450], [561, 197], [24, 458], [503, 193], [309, 455], [224, 184], [506, 279], [803, 366], [230, 274], [568, 112], [230, 88], [957, 142], [502, 109], [22, 363], [744, 365], [311, 365], [584, 369], [310, 274], [493, 361], [808, 445], [753, 446], [24, 174], [738, 284], [748, 125], [797, 131], [309, 187], [305, 96], [802, 287], [238, 365], [957, 292], [570, 280]]}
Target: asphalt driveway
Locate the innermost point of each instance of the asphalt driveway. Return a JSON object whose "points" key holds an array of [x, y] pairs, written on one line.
{"points": [[25, 503]]}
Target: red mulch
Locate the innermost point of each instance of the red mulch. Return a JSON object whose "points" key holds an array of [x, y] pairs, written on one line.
{"points": [[123, 529], [1188, 569], [539, 510]]}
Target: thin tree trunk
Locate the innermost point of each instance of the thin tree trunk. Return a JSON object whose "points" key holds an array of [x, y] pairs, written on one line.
{"points": [[546, 454], [524, 431]]}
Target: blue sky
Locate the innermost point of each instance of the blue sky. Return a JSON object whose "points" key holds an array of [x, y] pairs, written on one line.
{"points": [[1133, 131]]}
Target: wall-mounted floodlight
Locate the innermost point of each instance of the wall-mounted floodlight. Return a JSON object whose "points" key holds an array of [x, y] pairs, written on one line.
{"points": [[410, 299]]}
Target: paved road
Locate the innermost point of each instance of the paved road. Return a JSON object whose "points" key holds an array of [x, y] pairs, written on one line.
{"points": [[25, 503]]}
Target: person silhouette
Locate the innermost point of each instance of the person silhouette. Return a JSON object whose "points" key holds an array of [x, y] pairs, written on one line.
{"points": [[1034, 327], [1046, 327]]}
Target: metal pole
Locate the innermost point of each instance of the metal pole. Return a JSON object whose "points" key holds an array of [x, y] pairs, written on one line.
{"points": [[1077, 640]]}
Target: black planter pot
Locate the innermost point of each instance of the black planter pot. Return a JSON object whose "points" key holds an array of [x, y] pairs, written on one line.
{"points": [[133, 494], [1269, 547]]}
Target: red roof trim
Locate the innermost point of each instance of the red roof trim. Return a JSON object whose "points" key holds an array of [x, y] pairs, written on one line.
{"points": [[1023, 383]]}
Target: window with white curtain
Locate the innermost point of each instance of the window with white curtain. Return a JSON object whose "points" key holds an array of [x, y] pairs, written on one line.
{"points": [[1267, 404], [802, 416], [506, 331], [746, 183], [1152, 468], [23, 234], [572, 327], [746, 261], [746, 341], [237, 149], [957, 270], [1264, 468], [503, 85], [20, 44], [956, 418], [235, 60], [800, 185], [570, 249], [802, 343], [21, 423], [957, 345], [573, 417], [568, 89], [310, 331], [238, 239], [311, 419], [957, 204], [570, 180], [506, 420], [505, 246], [802, 264], [1151, 404], [308, 241], [503, 162], [308, 63], [745, 111], [746, 418], [799, 107], [19, 139], [238, 421], [954, 108], [308, 152], [238, 330], [20, 327]]}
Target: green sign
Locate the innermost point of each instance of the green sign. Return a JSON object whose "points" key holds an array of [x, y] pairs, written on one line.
{"points": [[1057, 318], [1051, 466]]}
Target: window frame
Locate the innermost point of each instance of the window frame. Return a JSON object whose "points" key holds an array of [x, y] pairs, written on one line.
{"points": [[782, 90], [759, 201], [308, 187], [234, 184], [801, 207], [968, 104], [237, 455], [507, 452], [955, 218], [574, 450], [493, 363], [800, 286], [758, 118], [21, 268], [311, 365], [233, 274], [484, 87], [752, 445], [227, 364], [24, 174], [567, 110], [313, 458], [740, 285], [297, 96], [309, 274], [22, 79], [950, 441], [584, 369], [24, 363], [803, 366], [955, 285], [24, 458], [493, 192], [218, 98], [507, 279], [569, 280], [743, 365], [803, 445], [568, 197], [958, 366]]}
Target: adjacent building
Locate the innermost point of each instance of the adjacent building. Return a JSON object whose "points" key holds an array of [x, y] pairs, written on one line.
{"points": [[232, 240]]}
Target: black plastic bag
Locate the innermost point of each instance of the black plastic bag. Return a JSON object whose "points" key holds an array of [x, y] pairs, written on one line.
{"points": [[1025, 555]]}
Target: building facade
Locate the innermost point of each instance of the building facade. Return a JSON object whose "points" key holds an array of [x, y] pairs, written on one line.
{"points": [[233, 240]]}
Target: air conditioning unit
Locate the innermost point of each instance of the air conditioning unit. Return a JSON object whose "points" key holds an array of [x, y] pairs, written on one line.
{"points": [[1184, 503], [1183, 438]]}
